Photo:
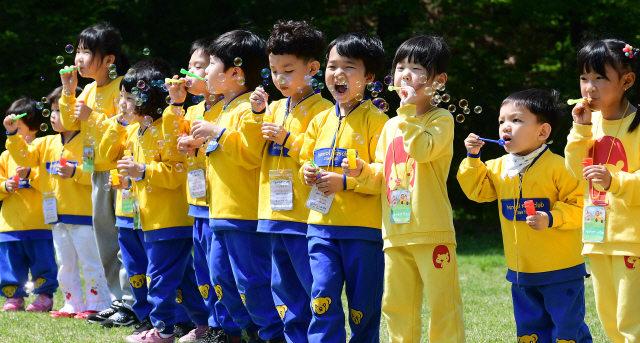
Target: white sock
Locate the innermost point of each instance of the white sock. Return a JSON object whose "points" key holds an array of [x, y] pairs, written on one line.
{"points": [[164, 335]]}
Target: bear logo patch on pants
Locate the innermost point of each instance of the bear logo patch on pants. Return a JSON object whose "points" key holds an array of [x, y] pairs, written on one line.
{"points": [[564, 341], [204, 291], [179, 297], [441, 256], [218, 290], [39, 282], [321, 305], [282, 310], [528, 339], [632, 262], [244, 300], [356, 316], [137, 281], [9, 291]]}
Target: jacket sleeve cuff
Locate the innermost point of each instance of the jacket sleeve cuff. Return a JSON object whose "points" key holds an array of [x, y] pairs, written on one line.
{"points": [[406, 111], [474, 162], [583, 130], [3, 188], [474, 156], [614, 187], [28, 173], [364, 174], [74, 170], [261, 112], [144, 173], [12, 133], [555, 218]]}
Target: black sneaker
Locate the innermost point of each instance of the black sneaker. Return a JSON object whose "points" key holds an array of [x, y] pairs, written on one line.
{"points": [[124, 317], [211, 336], [143, 326], [100, 317], [181, 329]]}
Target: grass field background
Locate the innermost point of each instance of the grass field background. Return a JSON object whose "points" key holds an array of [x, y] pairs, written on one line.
{"points": [[488, 313]]}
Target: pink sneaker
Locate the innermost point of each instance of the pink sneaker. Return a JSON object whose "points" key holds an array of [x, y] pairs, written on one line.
{"points": [[42, 304], [196, 335], [150, 336], [13, 304]]}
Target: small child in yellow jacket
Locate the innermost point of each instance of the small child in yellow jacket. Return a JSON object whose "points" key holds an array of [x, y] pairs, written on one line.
{"points": [[542, 243], [26, 242], [66, 199], [605, 130], [411, 168]]}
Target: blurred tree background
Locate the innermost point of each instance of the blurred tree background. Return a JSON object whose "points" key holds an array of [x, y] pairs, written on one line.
{"points": [[499, 46]]}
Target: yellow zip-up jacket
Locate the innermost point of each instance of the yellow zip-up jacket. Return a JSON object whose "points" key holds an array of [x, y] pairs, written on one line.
{"points": [[173, 120], [73, 195], [622, 158], [115, 151], [356, 211], [296, 123], [416, 152], [104, 102], [234, 168], [540, 257], [161, 189], [21, 214]]}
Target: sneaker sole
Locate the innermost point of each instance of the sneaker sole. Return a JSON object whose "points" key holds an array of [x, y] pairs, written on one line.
{"points": [[112, 324]]}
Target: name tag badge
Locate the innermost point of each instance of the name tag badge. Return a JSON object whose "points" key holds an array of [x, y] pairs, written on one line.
{"points": [[593, 225], [281, 189], [197, 183], [50, 207], [319, 202], [88, 157], [127, 202], [400, 206]]}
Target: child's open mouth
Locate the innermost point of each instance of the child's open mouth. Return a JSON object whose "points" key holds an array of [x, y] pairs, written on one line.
{"points": [[341, 89], [507, 139]]}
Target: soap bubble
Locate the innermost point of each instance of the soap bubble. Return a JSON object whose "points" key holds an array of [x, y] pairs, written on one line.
{"points": [[128, 78], [314, 82], [167, 137], [319, 73], [340, 80], [321, 85], [106, 187], [46, 113], [466, 110], [191, 160], [359, 97], [446, 97], [154, 132], [308, 80], [222, 77], [44, 100], [159, 110], [381, 104], [68, 49], [159, 325], [44, 127], [135, 90], [160, 144], [477, 109], [331, 88], [265, 82], [113, 136], [460, 118], [435, 85], [258, 119], [355, 135], [281, 79], [148, 189], [422, 79], [201, 97], [295, 146], [23, 153], [195, 99], [140, 84], [434, 102], [39, 105], [358, 84], [212, 98], [28, 287], [371, 86], [113, 75], [240, 81], [463, 103], [168, 99], [364, 104], [265, 73], [146, 51], [59, 59], [452, 108], [138, 102], [179, 167], [237, 61], [388, 80], [112, 67], [146, 121], [374, 94], [300, 89], [188, 83]]}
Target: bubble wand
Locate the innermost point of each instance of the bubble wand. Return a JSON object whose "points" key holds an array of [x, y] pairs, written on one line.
{"points": [[19, 116], [184, 71], [576, 101], [104, 122], [394, 88], [64, 71], [318, 173], [499, 141], [173, 81]]}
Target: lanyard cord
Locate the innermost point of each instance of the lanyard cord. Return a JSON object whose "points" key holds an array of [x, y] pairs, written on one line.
{"points": [[613, 142]]}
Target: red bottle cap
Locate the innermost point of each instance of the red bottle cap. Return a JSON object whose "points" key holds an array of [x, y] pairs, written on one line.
{"points": [[81, 101], [16, 178], [63, 161], [530, 207]]}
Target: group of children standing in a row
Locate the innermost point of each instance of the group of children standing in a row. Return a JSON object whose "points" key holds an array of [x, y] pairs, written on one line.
{"points": [[286, 203]]}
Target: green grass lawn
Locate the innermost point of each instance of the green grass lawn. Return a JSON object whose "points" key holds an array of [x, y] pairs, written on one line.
{"points": [[488, 313]]}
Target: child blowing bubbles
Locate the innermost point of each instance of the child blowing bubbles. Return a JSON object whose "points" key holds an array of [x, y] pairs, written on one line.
{"points": [[545, 266], [605, 129]]}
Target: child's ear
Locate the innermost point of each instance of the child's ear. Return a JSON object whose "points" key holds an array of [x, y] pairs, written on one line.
{"points": [[237, 72], [370, 77], [628, 80], [545, 132], [313, 66], [442, 78], [109, 59]]}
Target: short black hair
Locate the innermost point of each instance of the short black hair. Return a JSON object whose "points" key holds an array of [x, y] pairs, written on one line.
{"points": [[103, 39], [361, 46], [151, 69], [33, 119], [201, 44], [297, 38], [245, 45], [543, 103], [430, 51], [54, 96], [595, 55]]}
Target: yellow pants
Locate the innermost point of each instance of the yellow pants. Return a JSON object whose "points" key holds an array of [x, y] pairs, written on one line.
{"points": [[408, 270], [616, 284]]}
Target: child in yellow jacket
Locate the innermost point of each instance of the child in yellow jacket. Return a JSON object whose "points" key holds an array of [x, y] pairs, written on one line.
{"points": [[26, 242], [540, 207], [295, 49], [605, 132], [411, 168], [66, 195], [345, 241]]}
